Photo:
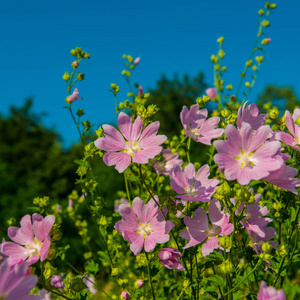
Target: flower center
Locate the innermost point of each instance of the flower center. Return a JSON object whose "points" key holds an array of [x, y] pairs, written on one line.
{"points": [[190, 191], [34, 248], [131, 148], [144, 229], [245, 159], [195, 132]]}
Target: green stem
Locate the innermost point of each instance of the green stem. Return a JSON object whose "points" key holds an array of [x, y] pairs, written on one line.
{"points": [[150, 277], [188, 149], [127, 189], [234, 288], [77, 125]]}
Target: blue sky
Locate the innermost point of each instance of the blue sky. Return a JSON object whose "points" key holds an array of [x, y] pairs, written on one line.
{"points": [[169, 36]]}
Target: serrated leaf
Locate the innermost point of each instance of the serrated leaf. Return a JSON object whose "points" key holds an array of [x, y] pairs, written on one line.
{"points": [[216, 280]]}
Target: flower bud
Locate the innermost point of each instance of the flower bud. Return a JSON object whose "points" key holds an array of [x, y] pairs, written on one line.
{"points": [[57, 282], [277, 206], [266, 41], [136, 61], [75, 64], [261, 12], [220, 40], [139, 284], [247, 84], [114, 272], [80, 76], [249, 63], [211, 93], [282, 250], [221, 53], [226, 267], [265, 23], [229, 87], [125, 295], [266, 247], [274, 113], [225, 113], [80, 112], [66, 76]]}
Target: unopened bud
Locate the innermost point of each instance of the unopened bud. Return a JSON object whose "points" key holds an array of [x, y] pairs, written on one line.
{"points": [[80, 76], [220, 40], [266, 41], [66, 76]]}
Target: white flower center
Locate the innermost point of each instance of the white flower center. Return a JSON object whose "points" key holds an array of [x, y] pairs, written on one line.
{"points": [[144, 229], [34, 248], [131, 147], [190, 191], [245, 159]]}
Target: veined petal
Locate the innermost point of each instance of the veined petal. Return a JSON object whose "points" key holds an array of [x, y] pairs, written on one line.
{"points": [[210, 245], [111, 141], [23, 235], [120, 159], [136, 241], [149, 138], [131, 131], [144, 212], [143, 156]]}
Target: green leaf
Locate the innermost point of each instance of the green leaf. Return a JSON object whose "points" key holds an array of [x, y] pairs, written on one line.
{"points": [[91, 267]]}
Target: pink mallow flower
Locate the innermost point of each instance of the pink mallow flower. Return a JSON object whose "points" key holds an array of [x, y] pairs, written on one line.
{"points": [[192, 186], [269, 293], [292, 140], [211, 93], [89, 280], [141, 91], [197, 127], [246, 155], [199, 229], [16, 282], [250, 115], [166, 166], [131, 144], [143, 225], [57, 282], [169, 258], [254, 219], [31, 241], [125, 295], [74, 96]]}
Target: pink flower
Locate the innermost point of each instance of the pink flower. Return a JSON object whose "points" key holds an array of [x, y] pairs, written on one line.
{"points": [[90, 283], [246, 155], [251, 116], [136, 61], [254, 220], [197, 127], [292, 140], [166, 166], [143, 225], [74, 96], [269, 293], [75, 64], [125, 295], [57, 282], [16, 282], [119, 202], [140, 91], [284, 178], [257, 241], [169, 258], [198, 228], [211, 93], [137, 146], [192, 186], [31, 240], [140, 283]]}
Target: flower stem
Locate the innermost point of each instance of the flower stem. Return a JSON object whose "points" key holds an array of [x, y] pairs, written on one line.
{"points": [[150, 277]]}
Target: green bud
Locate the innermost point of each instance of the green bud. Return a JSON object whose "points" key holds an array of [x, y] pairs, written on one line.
{"points": [[66, 76], [224, 189], [274, 113], [225, 113], [226, 267], [277, 206], [180, 207], [87, 56], [114, 272], [80, 76], [78, 285], [73, 52], [266, 247], [261, 12], [80, 112], [282, 250]]}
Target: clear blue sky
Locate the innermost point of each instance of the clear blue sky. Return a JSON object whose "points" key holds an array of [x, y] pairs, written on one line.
{"points": [[169, 36]]}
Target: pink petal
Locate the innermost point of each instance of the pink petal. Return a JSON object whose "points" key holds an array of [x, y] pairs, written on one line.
{"points": [[136, 240], [155, 238], [149, 138], [131, 131], [112, 140], [143, 156], [23, 288], [144, 212], [120, 159], [45, 247], [210, 245], [23, 235], [15, 251]]}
